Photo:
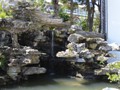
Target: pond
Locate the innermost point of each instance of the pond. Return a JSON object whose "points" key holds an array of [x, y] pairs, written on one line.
{"points": [[59, 83], [115, 58]]}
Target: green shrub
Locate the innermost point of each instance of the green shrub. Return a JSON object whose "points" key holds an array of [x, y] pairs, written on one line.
{"points": [[84, 25], [4, 13], [63, 15], [114, 77]]}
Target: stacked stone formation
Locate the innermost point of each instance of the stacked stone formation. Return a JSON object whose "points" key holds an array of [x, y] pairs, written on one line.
{"points": [[20, 58], [87, 45]]}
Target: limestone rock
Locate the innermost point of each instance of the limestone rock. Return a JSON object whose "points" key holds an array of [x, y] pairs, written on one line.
{"points": [[80, 60], [76, 38], [105, 70], [5, 38], [76, 47], [86, 54], [68, 54], [2, 80], [13, 72], [80, 47], [33, 70], [105, 48], [94, 40], [24, 56], [72, 46], [75, 28], [92, 46], [19, 24], [78, 75], [102, 58], [93, 43], [90, 34]]}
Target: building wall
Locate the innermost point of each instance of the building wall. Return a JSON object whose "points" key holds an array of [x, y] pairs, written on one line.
{"points": [[113, 21]]}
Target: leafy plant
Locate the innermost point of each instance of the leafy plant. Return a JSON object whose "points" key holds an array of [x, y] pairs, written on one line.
{"points": [[113, 77], [115, 65], [84, 25], [39, 3], [96, 23], [116, 76], [64, 15], [4, 13]]}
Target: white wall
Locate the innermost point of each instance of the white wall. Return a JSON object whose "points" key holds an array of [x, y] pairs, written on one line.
{"points": [[114, 21]]}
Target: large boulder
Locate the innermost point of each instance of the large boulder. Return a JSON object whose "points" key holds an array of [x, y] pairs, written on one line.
{"points": [[90, 34], [24, 56], [76, 38]]}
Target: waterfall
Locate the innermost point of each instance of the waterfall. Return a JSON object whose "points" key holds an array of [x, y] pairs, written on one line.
{"points": [[52, 44], [2, 38]]}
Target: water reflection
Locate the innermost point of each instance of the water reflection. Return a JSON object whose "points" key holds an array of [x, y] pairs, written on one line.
{"points": [[58, 83], [116, 56]]}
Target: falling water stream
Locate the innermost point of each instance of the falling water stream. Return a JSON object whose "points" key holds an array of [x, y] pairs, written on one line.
{"points": [[52, 45]]}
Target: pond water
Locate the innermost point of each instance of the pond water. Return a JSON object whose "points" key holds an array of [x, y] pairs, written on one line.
{"points": [[115, 58], [59, 83]]}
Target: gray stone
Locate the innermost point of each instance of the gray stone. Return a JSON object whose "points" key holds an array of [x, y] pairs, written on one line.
{"points": [[92, 46], [67, 54], [20, 24], [13, 72], [76, 38], [76, 47], [105, 48], [72, 46], [102, 58], [80, 60], [94, 40], [24, 56], [90, 34], [78, 75], [33, 70], [75, 28], [80, 47], [5, 38], [86, 54], [2, 80], [105, 70]]}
